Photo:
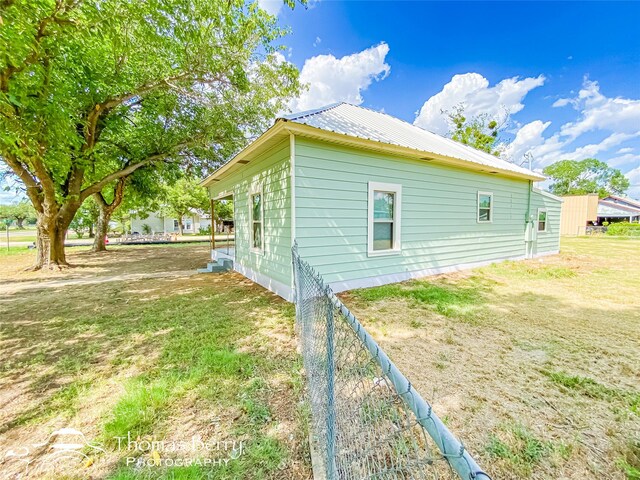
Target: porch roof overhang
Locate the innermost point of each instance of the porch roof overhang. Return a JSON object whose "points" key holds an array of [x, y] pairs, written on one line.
{"points": [[284, 128]]}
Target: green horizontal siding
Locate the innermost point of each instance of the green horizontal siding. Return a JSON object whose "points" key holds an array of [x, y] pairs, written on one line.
{"points": [[549, 241], [438, 219], [271, 170]]}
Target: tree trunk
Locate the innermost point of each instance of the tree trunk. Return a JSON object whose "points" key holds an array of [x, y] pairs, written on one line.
{"points": [[102, 227], [51, 232], [91, 234], [20, 223], [105, 210], [180, 226]]}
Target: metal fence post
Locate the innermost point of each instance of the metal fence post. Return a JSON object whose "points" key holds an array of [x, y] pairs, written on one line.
{"points": [[368, 421], [331, 413]]}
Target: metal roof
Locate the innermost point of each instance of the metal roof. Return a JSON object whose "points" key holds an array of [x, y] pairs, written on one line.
{"points": [[610, 209], [624, 201], [367, 124]]}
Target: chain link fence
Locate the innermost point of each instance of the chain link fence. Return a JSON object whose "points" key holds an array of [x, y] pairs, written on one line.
{"points": [[367, 420]]}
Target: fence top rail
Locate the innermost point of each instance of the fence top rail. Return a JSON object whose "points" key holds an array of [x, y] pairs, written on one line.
{"points": [[451, 449]]}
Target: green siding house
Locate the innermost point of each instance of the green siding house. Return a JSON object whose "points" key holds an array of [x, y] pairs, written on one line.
{"points": [[371, 200]]}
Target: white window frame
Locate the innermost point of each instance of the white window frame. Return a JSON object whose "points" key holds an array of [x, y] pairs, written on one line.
{"points": [[546, 221], [489, 194], [396, 189], [255, 190]]}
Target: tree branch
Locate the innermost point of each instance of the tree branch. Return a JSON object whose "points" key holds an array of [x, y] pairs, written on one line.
{"points": [[102, 108], [33, 189], [130, 168], [10, 70]]}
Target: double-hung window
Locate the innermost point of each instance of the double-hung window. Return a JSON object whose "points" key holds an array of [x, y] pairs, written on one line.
{"points": [[542, 219], [485, 207], [256, 211], [384, 218]]}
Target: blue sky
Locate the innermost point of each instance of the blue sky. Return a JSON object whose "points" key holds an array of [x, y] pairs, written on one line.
{"points": [[563, 77]]}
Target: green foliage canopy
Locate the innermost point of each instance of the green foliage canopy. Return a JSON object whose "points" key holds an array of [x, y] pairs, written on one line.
{"points": [[479, 132], [183, 197], [18, 212], [580, 177], [93, 90]]}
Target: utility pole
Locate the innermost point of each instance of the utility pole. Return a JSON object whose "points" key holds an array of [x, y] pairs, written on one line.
{"points": [[6, 224]]}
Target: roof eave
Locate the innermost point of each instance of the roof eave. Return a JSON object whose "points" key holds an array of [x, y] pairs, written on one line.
{"points": [[548, 194], [319, 133], [246, 151]]}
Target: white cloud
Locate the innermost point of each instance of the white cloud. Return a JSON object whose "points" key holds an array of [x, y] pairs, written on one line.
{"points": [[602, 113], [628, 160], [625, 150], [561, 102], [591, 150], [634, 179], [332, 79], [472, 90], [617, 117], [528, 137], [317, 41], [272, 7]]}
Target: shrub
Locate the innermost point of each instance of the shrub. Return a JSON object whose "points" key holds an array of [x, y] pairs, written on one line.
{"points": [[624, 229], [205, 230], [146, 229]]}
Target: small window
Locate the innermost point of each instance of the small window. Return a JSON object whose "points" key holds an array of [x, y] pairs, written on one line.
{"points": [[257, 231], [176, 226], [384, 218], [542, 220], [485, 207]]}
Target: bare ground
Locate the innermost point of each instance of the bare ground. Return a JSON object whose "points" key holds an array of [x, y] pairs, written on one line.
{"points": [[534, 365]]}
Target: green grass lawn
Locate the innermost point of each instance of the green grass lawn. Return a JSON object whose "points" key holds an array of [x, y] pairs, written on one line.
{"points": [[206, 356]]}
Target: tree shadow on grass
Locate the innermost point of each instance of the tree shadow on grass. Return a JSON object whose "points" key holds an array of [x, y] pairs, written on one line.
{"points": [[100, 331]]}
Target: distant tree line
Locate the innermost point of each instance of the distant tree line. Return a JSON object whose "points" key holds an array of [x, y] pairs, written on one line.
{"points": [[20, 213]]}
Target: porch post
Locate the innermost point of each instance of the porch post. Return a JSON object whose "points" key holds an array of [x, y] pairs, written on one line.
{"points": [[213, 225]]}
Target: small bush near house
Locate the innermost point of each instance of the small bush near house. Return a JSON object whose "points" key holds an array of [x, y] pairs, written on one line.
{"points": [[624, 229], [146, 229], [205, 230]]}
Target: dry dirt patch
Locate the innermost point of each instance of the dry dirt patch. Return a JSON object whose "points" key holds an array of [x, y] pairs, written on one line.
{"points": [[118, 260], [534, 365]]}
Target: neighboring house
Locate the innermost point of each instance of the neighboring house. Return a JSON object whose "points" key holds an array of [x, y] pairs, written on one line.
{"points": [[614, 209], [371, 200], [582, 211], [160, 224]]}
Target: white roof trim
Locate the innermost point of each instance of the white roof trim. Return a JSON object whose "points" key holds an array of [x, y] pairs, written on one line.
{"points": [[547, 194]]}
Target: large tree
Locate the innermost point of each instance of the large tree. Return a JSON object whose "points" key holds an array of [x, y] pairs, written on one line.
{"points": [[94, 90], [579, 177]]}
